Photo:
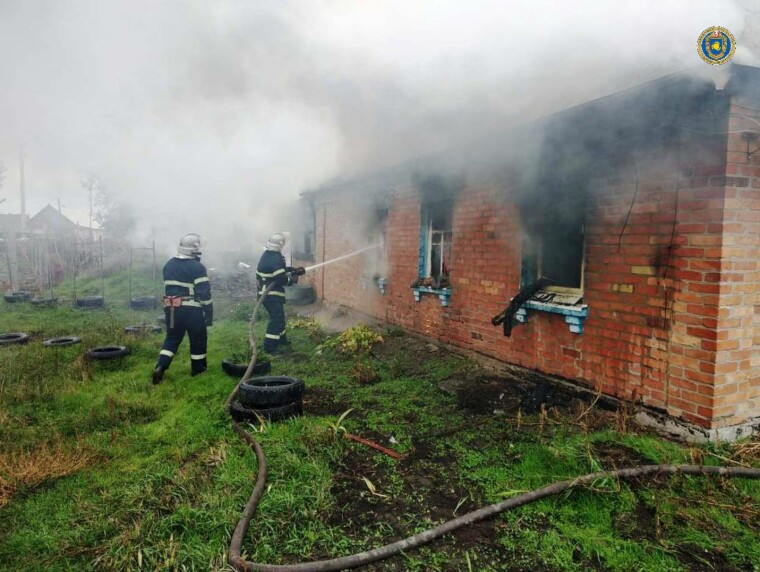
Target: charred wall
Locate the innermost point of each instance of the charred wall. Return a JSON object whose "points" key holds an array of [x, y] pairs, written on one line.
{"points": [[647, 176]]}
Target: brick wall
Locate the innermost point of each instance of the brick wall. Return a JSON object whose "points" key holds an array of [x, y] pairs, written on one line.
{"points": [[737, 332], [670, 279]]}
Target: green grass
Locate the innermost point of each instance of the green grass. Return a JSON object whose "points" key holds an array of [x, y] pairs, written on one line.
{"points": [[165, 479]]}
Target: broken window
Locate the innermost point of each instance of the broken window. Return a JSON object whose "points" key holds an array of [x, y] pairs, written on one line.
{"points": [[556, 250], [435, 244], [375, 259], [304, 241]]}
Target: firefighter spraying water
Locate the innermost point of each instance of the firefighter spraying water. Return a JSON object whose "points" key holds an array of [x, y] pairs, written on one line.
{"points": [[273, 270]]}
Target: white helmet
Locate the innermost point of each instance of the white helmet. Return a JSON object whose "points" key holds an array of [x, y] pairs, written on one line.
{"points": [[276, 241], [189, 246]]}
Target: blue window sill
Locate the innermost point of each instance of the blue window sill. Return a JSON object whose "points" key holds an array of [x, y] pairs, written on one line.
{"points": [[443, 293], [574, 315]]}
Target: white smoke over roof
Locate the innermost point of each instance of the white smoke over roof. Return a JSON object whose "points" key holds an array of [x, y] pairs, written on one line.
{"points": [[210, 117]]}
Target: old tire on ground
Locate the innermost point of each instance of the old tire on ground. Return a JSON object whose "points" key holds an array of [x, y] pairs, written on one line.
{"points": [[238, 369], [44, 302], [271, 391], [13, 297], [300, 295], [13, 338], [240, 412], [143, 303], [90, 302], [161, 320], [143, 329], [61, 341], [107, 352]]}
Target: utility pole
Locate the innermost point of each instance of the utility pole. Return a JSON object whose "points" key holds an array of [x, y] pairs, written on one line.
{"points": [[22, 188]]}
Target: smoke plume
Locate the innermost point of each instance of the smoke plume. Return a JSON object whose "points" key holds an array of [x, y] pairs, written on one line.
{"points": [[211, 117]]}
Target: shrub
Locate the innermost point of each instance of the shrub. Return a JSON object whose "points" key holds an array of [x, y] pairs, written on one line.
{"points": [[364, 373], [312, 327], [358, 339]]}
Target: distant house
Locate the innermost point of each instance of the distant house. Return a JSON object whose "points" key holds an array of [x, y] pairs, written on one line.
{"points": [[643, 208], [48, 249], [53, 223]]}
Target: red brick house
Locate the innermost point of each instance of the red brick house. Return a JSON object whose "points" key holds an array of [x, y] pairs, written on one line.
{"points": [[643, 208]]}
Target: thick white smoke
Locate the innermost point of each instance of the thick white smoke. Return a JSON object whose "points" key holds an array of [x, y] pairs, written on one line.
{"points": [[212, 116]]}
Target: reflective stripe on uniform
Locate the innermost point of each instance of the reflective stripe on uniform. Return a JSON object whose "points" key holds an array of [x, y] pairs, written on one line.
{"points": [[273, 293], [201, 279], [166, 353], [206, 302], [198, 356], [188, 285], [282, 333], [270, 274], [272, 336], [191, 303]]}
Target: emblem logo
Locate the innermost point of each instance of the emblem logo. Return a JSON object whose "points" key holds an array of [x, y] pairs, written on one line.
{"points": [[716, 45]]}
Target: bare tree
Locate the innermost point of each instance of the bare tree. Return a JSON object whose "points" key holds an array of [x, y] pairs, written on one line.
{"points": [[91, 184], [116, 218]]}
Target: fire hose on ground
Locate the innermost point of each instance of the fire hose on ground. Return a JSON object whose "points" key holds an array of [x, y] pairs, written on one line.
{"points": [[394, 548]]}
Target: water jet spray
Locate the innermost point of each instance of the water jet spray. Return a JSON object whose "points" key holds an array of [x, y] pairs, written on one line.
{"points": [[350, 254]]}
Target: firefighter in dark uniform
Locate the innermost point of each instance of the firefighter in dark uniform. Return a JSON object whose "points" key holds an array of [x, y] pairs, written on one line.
{"points": [[187, 307], [273, 270]]}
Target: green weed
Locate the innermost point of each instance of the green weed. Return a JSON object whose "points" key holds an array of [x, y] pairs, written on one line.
{"points": [[358, 339]]}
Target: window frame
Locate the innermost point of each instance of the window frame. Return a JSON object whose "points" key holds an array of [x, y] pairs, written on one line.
{"points": [[537, 262], [378, 230], [426, 235]]}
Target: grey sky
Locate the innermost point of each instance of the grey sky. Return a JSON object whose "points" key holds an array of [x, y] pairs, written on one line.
{"points": [[213, 115]]}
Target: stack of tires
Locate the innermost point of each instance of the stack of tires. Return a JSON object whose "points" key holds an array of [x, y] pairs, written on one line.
{"points": [[272, 398]]}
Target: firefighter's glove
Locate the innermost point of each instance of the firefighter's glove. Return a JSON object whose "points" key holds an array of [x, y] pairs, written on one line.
{"points": [[209, 321]]}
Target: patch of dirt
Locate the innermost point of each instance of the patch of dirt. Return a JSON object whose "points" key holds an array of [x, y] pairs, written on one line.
{"points": [[427, 488], [321, 402], [615, 456], [640, 524], [485, 393], [698, 559], [406, 355]]}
